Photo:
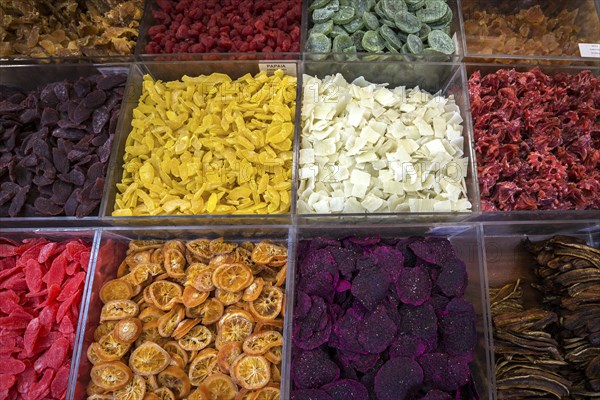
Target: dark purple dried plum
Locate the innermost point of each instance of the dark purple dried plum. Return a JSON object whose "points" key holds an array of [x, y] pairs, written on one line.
{"points": [[61, 162], [97, 189], [28, 116], [8, 191], [86, 207], [68, 133], [61, 191], [72, 203], [398, 379], [111, 81], [47, 206], [76, 155], [94, 99], [82, 87], [104, 151], [18, 201], [81, 113], [9, 107], [49, 117], [61, 90], [75, 176], [100, 117], [48, 96]]}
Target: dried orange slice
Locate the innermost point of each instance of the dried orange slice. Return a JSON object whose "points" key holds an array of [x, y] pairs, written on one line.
{"points": [[173, 347], [138, 257], [111, 375], [104, 329], [274, 354], [168, 322], [260, 343], [198, 394], [141, 245], [219, 387], [151, 384], [281, 275], [164, 294], [234, 326], [149, 314], [123, 269], [184, 327], [252, 292], [220, 246], [100, 397], [269, 253], [134, 390], [245, 394], [200, 248], [193, 297], [110, 348], [232, 277], [227, 298], [116, 289], [251, 372], [200, 277], [149, 333], [177, 361], [269, 304], [272, 325], [92, 354], [275, 372], [203, 365], [174, 378], [210, 311], [151, 396], [174, 263], [128, 330], [267, 393], [196, 339], [93, 389], [164, 393], [227, 354], [118, 309], [149, 359]]}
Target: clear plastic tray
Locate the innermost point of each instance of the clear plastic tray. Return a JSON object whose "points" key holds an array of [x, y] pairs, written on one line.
{"points": [[91, 236], [536, 29]]}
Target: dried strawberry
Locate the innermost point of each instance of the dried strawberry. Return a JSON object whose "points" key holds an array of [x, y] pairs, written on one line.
{"points": [[59, 384]]}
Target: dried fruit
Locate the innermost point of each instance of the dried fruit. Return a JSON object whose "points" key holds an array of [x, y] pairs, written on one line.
{"points": [[149, 359], [111, 375], [251, 372]]}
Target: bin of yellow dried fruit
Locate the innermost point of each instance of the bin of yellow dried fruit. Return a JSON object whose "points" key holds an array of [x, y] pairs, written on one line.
{"points": [[210, 145], [201, 319]]}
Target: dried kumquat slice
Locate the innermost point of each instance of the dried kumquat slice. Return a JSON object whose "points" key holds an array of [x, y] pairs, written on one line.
{"points": [[196, 338], [174, 262], [232, 277], [184, 327], [269, 304], [193, 297], [260, 343], [210, 311], [134, 390], [128, 330], [104, 329], [219, 387], [164, 393], [202, 366], [198, 394], [234, 326], [175, 378], [251, 372], [219, 246], [267, 393], [111, 375], [164, 294], [92, 354], [150, 313], [110, 348], [268, 253], [116, 289], [227, 354], [173, 347], [274, 354], [118, 309], [149, 359], [226, 297], [252, 292], [168, 322], [200, 248], [200, 277]]}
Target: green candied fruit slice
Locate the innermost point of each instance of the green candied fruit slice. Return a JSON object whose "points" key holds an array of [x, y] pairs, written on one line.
{"points": [[391, 48], [372, 42], [415, 5], [424, 32], [371, 21], [407, 22], [446, 19], [351, 49], [414, 44], [324, 27], [431, 52], [390, 37], [354, 25], [391, 8], [341, 42], [389, 23], [318, 4], [337, 30], [321, 15], [440, 41], [344, 15], [318, 43], [360, 6], [378, 10], [357, 38], [433, 12]]}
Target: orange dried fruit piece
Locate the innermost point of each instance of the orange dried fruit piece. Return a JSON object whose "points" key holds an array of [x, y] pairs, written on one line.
{"points": [[168, 322], [260, 343], [149, 333], [92, 353], [252, 292], [93, 389], [199, 276], [128, 330], [272, 325], [164, 294], [251, 372], [104, 329], [220, 246], [151, 396], [111, 375], [232, 277], [226, 297], [210, 311], [281, 275], [200, 248], [149, 314], [267, 393], [138, 257], [274, 354], [116, 289], [193, 297], [275, 372], [269, 304], [197, 394], [234, 326], [202, 366], [219, 387], [244, 394], [184, 327], [151, 384], [173, 347], [164, 393], [141, 245], [134, 390], [227, 354], [110, 348], [174, 262], [196, 339], [149, 359], [118, 309], [175, 378], [268, 253]]}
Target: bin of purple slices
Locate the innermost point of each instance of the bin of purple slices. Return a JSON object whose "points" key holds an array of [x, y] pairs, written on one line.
{"points": [[389, 313], [58, 125]]}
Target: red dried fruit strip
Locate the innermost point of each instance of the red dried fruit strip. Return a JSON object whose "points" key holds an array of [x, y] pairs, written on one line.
{"points": [[72, 286], [40, 389], [6, 381], [54, 357], [11, 366], [47, 251], [7, 250], [63, 309], [59, 384], [33, 275], [31, 335], [57, 271]]}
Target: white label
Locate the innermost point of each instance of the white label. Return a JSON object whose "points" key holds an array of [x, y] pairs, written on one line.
{"points": [[589, 50], [289, 68]]}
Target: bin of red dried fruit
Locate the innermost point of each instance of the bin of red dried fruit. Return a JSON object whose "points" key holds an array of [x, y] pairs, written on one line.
{"points": [[56, 138], [537, 138], [41, 285], [383, 319], [223, 26]]}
